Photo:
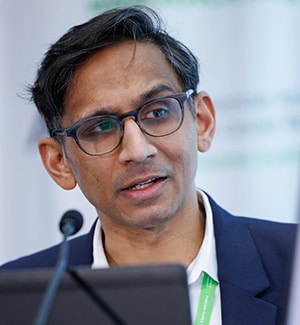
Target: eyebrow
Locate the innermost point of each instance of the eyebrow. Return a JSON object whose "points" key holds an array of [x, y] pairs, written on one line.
{"points": [[154, 92]]}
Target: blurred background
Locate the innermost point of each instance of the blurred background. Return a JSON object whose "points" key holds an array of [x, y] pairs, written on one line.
{"points": [[249, 54]]}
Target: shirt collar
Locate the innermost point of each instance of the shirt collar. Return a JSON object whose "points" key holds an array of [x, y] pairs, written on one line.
{"points": [[99, 257], [206, 259]]}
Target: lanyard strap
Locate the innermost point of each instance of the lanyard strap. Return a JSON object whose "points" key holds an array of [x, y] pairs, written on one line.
{"points": [[206, 300]]}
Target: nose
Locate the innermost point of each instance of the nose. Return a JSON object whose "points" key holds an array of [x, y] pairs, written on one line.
{"points": [[135, 146]]}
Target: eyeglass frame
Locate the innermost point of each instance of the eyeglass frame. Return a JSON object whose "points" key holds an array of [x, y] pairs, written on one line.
{"points": [[72, 130]]}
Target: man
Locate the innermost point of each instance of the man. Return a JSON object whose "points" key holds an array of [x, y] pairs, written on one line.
{"points": [[119, 97]]}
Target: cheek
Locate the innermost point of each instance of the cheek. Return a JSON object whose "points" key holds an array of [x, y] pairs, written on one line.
{"points": [[182, 152], [93, 177], [189, 151], [190, 155]]}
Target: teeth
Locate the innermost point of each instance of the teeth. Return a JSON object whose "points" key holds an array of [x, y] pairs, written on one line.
{"points": [[141, 186]]}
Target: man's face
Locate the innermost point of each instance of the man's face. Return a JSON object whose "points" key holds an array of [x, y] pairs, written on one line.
{"points": [[146, 181]]}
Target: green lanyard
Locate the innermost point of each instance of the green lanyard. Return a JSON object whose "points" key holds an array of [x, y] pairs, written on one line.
{"points": [[206, 300]]}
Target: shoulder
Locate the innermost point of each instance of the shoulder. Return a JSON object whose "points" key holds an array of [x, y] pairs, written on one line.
{"points": [[80, 254], [273, 240], [41, 259], [258, 226]]}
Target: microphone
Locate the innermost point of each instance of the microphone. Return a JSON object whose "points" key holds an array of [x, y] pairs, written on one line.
{"points": [[70, 223]]}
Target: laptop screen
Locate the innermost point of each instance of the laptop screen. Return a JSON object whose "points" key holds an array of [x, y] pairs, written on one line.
{"points": [[156, 294]]}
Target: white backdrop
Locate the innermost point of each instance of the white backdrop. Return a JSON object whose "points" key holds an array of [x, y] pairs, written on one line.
{"points": [[249, 53]]}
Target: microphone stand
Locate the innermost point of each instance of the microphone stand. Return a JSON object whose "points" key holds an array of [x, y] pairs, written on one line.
{"points": [[58, 273], [70, 223]]}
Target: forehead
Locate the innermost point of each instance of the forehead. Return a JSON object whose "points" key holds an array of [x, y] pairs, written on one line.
{"points": [[117, 77]]}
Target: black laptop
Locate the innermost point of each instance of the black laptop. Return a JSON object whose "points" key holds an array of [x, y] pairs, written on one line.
{"points": [[133, 295]]}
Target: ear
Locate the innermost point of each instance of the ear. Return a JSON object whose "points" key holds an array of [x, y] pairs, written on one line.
{"points": [[206, 121], [56, 163]]}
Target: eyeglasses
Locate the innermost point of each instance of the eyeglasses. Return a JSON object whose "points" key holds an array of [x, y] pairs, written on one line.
{"points": [[102, 134]]}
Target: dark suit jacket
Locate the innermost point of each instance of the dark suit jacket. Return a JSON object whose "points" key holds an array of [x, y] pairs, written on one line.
{"points": [[253, 265]]}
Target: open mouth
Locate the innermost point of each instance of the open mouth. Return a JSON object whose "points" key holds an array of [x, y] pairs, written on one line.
{"points": [[142, 186]]}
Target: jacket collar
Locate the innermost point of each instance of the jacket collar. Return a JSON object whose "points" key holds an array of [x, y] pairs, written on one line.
{"points": [[240, 271]]}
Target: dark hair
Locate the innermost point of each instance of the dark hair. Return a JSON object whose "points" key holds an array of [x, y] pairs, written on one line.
{"points": [[136, 23]]}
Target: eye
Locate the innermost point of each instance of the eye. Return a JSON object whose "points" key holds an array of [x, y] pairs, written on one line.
{"points": [[155, 111], [160, 113], [93, 130], [105, 126]]}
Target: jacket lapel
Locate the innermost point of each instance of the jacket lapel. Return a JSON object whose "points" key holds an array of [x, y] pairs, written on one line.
{"points": [[241, 273], [240, 307]]}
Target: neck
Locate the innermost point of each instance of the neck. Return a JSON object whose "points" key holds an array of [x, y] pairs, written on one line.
{"points": [[177, 241]]}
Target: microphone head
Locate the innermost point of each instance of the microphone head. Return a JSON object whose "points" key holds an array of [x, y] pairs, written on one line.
{"points": [[71, 222]]}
